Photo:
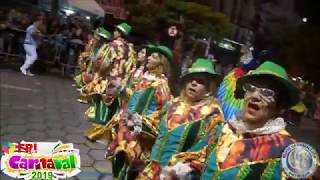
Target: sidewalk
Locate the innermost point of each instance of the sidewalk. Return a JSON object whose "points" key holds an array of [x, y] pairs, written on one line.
{"points": [[45, 108]]}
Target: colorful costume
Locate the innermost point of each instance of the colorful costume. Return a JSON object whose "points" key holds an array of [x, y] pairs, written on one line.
{"points": [[182, 125], [147, 95], [226, 93], [233, 155], [236, 150], [116, 59], [87, 57], [229, 103]]}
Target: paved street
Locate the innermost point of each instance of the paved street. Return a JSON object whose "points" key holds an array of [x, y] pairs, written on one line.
{"points": [[44, 108]]}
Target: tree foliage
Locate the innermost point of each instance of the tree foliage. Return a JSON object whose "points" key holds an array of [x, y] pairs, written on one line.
{"points": [[197, 17], [298, 46]]}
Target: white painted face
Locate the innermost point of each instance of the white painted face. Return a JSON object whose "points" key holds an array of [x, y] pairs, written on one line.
{"points": [[246, 56], [260, 103]]}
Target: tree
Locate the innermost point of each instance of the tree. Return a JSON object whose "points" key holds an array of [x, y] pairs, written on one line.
{"points": [[298, 48], [195, 17]]}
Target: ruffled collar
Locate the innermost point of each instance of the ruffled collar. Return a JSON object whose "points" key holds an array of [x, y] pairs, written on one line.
{"points": [[272, 126], [152, 77]]}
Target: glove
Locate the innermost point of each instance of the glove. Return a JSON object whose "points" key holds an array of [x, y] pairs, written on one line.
{"points": [[178, 171]]}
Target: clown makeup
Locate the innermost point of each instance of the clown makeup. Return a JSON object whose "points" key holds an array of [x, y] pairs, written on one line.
{"points": [[260, 104], [266, 95]]}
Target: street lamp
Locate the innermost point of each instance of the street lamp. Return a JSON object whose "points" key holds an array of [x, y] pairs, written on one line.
{"points": [[304, 19]]}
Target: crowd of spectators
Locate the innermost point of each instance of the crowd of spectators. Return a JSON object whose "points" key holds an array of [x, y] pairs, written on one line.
{"points": [[63, 35]]}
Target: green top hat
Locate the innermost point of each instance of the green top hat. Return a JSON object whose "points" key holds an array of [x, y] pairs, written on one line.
{"points": [[202, 65], [103, 33], [164, 50], [124, 28], [277, 77]]}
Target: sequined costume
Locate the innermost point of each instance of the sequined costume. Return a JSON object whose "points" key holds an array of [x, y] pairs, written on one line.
{"points": [[147, 95], [181, 126], [116, 59]]}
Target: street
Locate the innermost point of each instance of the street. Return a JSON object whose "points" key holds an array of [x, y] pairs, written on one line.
{"points": [[45, 108]]}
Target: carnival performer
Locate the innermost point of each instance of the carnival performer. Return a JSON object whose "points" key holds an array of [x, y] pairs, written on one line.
{"points": [[231, 105], [115, 61], [250, 145], [101, 36], [137, 123], [141, 62], [186, 119]]}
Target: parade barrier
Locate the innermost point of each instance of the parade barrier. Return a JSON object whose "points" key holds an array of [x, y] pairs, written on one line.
{"points": [[50, 53], [8, 37]]}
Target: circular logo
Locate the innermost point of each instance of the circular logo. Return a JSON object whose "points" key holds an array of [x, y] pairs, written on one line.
{"points": [[299, 160]]}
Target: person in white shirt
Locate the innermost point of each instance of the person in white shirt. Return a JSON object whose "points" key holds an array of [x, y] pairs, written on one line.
{"points": [[30, 45]]}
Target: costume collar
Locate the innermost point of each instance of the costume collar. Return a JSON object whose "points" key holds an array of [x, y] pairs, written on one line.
{"points": [[272, 126]]}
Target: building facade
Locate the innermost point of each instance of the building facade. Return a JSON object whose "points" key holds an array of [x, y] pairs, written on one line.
{"points": [[115, 8], [255, 16]]}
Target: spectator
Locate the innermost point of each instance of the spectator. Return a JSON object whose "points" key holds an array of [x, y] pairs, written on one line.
{"points": [[30, 45]]}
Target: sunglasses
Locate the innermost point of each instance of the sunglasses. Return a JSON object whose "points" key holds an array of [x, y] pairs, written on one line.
{"points": [[263, 91]]}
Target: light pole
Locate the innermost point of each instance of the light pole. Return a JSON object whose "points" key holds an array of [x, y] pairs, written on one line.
{"points": [[304, 19]]}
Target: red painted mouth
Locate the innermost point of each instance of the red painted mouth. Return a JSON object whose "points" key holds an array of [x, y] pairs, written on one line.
{"points": [[252, 107]]}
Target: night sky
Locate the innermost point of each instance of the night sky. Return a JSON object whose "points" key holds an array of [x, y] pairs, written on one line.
{"points": [[309, 9]]}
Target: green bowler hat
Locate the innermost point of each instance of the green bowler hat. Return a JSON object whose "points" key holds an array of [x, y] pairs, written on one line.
{"points": [[202, 65], [124, 28], [164, 50], [103, 33], [276, 76]]}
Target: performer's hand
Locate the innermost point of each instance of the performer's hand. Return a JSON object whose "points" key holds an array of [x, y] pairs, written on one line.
{"points": [[168, 175], [178, 171]]}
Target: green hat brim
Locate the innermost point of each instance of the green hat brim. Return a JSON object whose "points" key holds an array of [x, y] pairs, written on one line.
{"points": [[101, 32], [211, 74], [104, 36], [122, 30], [152, 49], [288, 92]]}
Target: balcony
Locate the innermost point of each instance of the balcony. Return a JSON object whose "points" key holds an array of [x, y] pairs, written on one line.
{"points": [[115, 8]]}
